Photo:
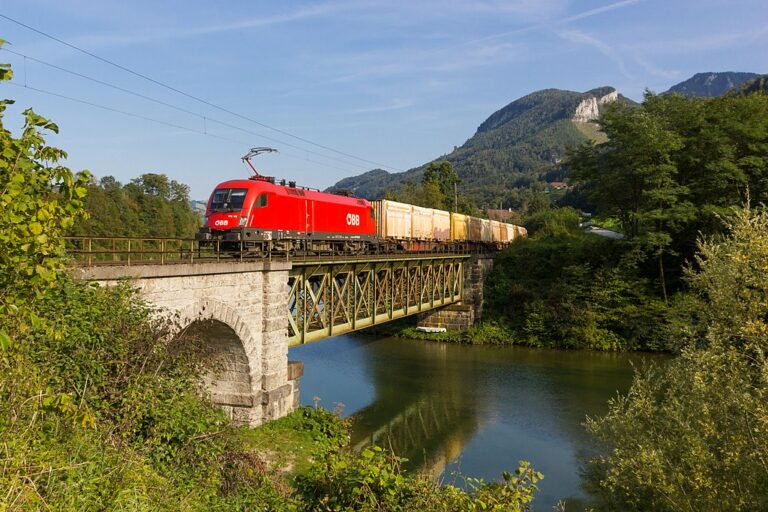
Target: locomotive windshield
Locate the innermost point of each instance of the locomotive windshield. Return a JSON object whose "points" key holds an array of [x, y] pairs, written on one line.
{"points": [[228, 199]]}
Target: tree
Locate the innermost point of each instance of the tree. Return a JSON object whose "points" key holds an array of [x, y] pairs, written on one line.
{"points": [[151, 205], [438, 183], [634, 177], [39, 201], [693, 434]]}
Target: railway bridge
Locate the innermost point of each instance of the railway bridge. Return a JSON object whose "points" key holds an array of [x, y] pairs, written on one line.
{"points": [[248, 312]]}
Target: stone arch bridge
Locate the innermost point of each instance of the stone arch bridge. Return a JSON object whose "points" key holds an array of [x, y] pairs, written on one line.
{"points": [[249, 312]]}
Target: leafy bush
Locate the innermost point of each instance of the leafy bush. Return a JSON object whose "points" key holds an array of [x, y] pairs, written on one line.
{"points": [[554, 222], [374, 480]]}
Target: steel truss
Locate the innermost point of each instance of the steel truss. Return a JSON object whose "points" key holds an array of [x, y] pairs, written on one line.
{"points": [[334, 298]]}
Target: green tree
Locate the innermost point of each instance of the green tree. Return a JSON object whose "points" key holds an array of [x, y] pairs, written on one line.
{"points": [[441, 179], [633, 176], [693, 434], [151, 205], [39, 200]]}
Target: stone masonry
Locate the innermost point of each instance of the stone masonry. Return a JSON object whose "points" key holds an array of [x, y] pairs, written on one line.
{"points": [[239, 311], [462, 316]]}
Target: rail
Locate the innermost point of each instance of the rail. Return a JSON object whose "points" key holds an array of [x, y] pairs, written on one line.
{"points": [[91, 251]]}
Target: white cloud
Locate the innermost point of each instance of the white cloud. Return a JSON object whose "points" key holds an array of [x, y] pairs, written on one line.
{"points": [[166, 33], [604, 48], [395, 104]]}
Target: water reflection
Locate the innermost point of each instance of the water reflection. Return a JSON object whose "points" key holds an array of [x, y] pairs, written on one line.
{"points": [[420, 410], [477, 410]]}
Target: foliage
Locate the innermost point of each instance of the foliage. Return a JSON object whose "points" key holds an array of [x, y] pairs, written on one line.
{"points": [[564, 288], [39, 200], [149, 206], [672, 166], [693, 435], [553, 222], [373, 480]]}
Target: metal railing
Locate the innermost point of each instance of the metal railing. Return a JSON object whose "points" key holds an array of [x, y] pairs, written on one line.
{"points": [[103, 251], [93, 251]]}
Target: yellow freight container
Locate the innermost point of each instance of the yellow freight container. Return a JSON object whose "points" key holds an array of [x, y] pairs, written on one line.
{"points": [[459, 227], [498, 232], [475, 229], [393, 219]]}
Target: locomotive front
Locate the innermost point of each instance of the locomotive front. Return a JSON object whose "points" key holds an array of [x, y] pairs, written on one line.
{"points": [[226, 216]]}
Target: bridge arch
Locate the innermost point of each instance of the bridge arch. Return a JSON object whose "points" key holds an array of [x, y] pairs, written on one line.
{"points": [[234, 377]]}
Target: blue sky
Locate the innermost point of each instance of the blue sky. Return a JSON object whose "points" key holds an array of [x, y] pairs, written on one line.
{"points": [[391, 82]]}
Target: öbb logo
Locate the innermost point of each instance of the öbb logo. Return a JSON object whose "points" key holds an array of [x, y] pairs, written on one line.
{"points": [[353, 220], [221, 223]]}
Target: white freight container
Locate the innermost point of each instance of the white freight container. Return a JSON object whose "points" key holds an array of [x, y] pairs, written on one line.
{"points": [[393, 219]]}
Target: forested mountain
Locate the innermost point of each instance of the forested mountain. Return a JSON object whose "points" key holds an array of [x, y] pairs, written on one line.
{"points": [[759, 84], [711, 84], [517, 145]]}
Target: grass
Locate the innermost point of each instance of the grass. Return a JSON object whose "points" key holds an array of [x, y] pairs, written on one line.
{"points": [[291, 444], [591, 131]]}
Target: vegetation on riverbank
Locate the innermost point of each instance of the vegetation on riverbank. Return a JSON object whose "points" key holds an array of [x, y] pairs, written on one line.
{"points": [[693, 435]]}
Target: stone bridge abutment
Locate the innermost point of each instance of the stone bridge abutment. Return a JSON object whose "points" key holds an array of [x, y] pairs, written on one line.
{"points": [[238, 312], [463, 315]]}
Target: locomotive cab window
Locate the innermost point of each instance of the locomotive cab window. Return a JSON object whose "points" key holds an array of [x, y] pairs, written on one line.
{"points": [[261, 201], [228, 199]]}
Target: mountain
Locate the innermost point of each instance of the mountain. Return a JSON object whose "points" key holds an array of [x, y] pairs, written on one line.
{"points": [[515, 146], [759, 84], [711, 84]]}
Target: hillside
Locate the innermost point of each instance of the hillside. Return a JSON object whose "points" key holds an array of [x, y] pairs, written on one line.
{"points": [[759, 84], [711, 84], [516, 145]]}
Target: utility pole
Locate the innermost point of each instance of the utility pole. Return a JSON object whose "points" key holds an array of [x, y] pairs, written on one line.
{"points": [[455, 197]]}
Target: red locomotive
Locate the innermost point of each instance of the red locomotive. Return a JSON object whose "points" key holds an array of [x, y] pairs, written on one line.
{"points": [[257, 215]]}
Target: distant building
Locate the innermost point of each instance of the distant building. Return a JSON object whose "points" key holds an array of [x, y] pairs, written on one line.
{"points": [[558, 185], [500, 215]]}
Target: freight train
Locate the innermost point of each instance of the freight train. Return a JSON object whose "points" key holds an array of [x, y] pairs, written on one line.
{"points": [[258, 216]]}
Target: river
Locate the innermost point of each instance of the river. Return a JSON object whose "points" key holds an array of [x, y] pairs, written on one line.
{"points": [[473, 410]]}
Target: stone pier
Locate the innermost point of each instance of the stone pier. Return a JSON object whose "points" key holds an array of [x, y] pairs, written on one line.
{"points": [[462, 316], [239, 312]]}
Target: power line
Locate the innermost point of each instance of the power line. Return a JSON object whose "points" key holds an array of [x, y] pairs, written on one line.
{"points": [[204, 118], [190, 96], [154, 120]]}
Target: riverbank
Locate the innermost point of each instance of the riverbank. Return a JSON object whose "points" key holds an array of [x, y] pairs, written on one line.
{"points": [[304, 461]]}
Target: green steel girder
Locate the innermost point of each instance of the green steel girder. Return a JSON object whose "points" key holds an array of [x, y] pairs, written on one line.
{"points": [[327, 299]]}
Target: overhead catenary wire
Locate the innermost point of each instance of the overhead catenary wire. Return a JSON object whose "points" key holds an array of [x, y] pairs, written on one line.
{"points": [[154, 120], [203, 117], [193, 97]]}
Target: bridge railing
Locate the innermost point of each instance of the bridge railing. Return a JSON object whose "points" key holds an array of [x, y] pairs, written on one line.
{"points": [[98, 251], [91, 251]]}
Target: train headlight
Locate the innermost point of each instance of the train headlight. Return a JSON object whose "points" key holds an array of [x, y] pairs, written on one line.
{"points": [[243, 220], [205, 220]]}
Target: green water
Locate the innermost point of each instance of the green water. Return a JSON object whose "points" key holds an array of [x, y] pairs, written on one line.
{"points": [[476, 410]]}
